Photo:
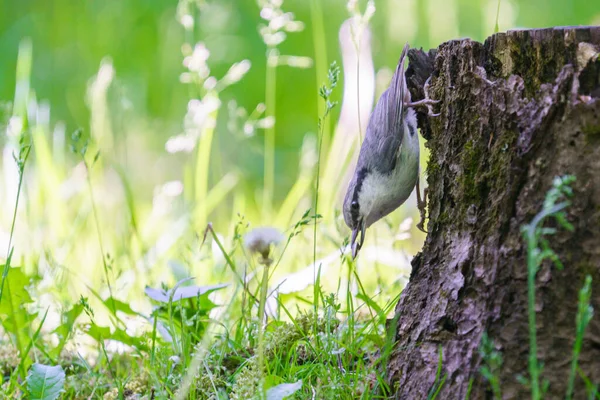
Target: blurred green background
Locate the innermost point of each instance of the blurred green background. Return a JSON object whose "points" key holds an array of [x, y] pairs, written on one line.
{"points": [[145, 224], [143, 39]]}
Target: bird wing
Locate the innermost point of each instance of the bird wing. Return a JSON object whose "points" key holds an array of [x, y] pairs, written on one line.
{"points": [[383, 140]]}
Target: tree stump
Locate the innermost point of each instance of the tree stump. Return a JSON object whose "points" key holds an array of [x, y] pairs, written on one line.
{"points": [[516, 111]]}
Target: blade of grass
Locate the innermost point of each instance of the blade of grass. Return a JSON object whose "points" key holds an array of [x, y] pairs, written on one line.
{"points": [[584, 316]]}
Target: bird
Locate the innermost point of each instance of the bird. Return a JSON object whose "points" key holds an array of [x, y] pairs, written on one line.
{"points": [[387, 169]]}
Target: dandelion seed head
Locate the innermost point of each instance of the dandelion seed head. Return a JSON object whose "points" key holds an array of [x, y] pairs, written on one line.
{"points": [[260, 240]]}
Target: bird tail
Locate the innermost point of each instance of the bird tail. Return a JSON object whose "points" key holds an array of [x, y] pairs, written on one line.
{"points": [[397, 93]]}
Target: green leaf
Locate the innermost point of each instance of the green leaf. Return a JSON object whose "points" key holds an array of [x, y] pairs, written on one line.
{"points": [[103, 333], [14, 316], [117, 305], [284, 390], [66, 327], [45, 382], [17, 282]]}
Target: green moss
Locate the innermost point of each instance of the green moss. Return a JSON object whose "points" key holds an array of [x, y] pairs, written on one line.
{"points": [[587, 269], [444, 218], [433, 168], [471, 162], [591, 130]]}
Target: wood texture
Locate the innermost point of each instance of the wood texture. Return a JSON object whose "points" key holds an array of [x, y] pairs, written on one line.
{"points": [[516, 111]]}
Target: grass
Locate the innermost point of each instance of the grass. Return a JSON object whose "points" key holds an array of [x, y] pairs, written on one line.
{"points": [[538, 250], [187, 337], [129, 295]]}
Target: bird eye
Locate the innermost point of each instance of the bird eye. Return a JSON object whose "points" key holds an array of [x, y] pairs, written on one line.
{"points": [[354, 205]]}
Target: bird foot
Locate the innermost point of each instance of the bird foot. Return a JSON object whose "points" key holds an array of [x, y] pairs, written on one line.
{"points": [[427, 101], [422, 206]]}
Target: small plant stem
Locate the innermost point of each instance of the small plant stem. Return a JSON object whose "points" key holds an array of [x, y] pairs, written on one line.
{"points": [[533, 262], [316, 205], [531, 273], [497, 26], [349, 302], [100, 242], [13, 223], [269, 172], [584, 315], [264, 288], [320, 46]]}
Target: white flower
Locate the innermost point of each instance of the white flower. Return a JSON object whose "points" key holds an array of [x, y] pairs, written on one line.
{"points": [[294, 26], [210, 83], [279, 21], [180, 143], [248, 129], [266, 13], [236, 72], [187, 21], [369, 11], [199, 111], [172, 188], [296, 61], [274, 39], [261, 108], [196, 62], [266, 123], [351, 6]]}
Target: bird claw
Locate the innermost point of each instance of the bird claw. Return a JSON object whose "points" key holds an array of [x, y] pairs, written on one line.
{"points": [[427, 101], [420, 226], [422, 206]]}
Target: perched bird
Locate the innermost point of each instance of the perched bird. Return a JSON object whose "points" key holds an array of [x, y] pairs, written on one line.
{"points": [[388, 163]]}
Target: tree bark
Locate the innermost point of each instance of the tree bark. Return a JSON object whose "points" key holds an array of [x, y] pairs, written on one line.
{"points": [[516, 111]]}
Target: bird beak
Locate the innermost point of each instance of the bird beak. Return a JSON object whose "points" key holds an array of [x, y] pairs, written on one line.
{"points": [[354, 244]]}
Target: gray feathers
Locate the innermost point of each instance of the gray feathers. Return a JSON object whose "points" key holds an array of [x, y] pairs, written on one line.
{"points": [[385, 129], [381, 147]]}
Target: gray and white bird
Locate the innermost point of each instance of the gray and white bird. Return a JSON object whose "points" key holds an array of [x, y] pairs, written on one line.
{"points": [[387, 169]]}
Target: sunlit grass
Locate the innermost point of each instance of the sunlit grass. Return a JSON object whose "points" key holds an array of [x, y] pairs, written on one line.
{"points": [[91, 237], [94, 241]]}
